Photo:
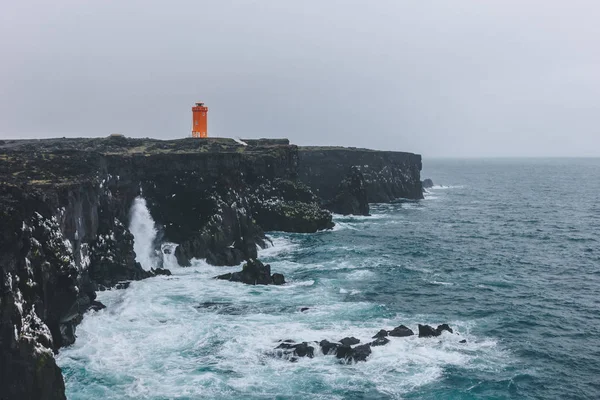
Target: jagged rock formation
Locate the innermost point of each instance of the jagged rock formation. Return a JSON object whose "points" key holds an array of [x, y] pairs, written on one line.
{"points": [[386, 176], [427, 183], [64, 217], [351, 195], [254, 272]]}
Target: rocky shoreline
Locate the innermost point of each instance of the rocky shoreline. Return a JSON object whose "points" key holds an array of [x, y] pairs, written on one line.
{"points": [[65, 214]]}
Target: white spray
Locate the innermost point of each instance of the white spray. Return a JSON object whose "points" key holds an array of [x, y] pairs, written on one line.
{"points": [[144, 232]]}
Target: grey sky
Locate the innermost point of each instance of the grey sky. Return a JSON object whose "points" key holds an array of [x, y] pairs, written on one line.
{"points": [[441, 78]]}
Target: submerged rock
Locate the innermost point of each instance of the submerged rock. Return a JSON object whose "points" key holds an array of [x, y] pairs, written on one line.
{"points": [[161, 271], [380, 341], [96, 306], [401, 331], [254, 272]]}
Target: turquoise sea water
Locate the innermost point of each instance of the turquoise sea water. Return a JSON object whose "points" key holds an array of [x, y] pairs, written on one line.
{"points": [[505, 251]]}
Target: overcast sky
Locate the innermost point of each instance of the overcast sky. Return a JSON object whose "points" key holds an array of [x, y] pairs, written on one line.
{"points": [[440, 78]]}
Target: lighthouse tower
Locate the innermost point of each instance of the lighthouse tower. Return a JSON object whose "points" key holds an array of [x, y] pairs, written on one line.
{"points": [[199, 121]]}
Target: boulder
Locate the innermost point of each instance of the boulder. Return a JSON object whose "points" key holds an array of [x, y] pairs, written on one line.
{"points": [[444, 327], [381, 334], [344, 352], [328, 347], [360, 353], [254, 272], [426, 331], [278, 279], [297, 349], [349, 341], [401, 331], [427, 184]]}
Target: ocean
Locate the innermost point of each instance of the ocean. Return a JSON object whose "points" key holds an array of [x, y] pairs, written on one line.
{"points": [[506, 251]]}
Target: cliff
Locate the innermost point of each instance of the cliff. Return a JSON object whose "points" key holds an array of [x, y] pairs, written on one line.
{"points": [[65, 216], [347, 179]]}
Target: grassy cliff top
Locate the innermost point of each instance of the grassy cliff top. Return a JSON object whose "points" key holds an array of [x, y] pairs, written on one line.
{"points": [[122, 145]]}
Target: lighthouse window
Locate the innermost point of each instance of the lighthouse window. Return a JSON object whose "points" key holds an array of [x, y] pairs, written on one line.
{"points": [[204, 114]]}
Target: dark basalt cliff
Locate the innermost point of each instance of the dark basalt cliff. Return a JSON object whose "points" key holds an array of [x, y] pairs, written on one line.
{"points": [[348, 179], [65, 214]]}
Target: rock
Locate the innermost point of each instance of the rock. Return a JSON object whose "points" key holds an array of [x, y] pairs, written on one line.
{"points": [[380, 341], [427, 184], [254, 272], [349, 341], [444, 327], [297, 349], [426, 331], [351, 195], [122, 285], [304, 350], [463, 341], [381, 334], [328, 347], [161, 271], [387, 175], [287, 345], [304, 309], [343, 352], [278, 279], [360, 353], [401, 331], [97, 306], [213, 197]]}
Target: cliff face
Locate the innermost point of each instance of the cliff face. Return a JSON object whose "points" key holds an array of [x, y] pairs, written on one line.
{"points": [[65, 211], [348, 179]]}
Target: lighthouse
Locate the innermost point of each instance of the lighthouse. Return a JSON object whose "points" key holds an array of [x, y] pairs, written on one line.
{"points": [[199, 121]]}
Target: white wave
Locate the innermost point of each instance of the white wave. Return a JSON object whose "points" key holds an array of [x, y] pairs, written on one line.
{"points": [[442, 283], [279, 245], [168, 254], [360, 275], [144, 232], [442, 187], [163, 338], [337, 217], [343, 225]]}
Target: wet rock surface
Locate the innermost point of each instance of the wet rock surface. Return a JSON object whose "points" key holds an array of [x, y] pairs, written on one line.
{"points": [[401, 331], [64, 217], [386, 176], [254, 272], [348, 349]]}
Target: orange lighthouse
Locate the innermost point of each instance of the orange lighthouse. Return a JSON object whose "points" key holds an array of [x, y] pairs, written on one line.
{"points": [[199, 121]]}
